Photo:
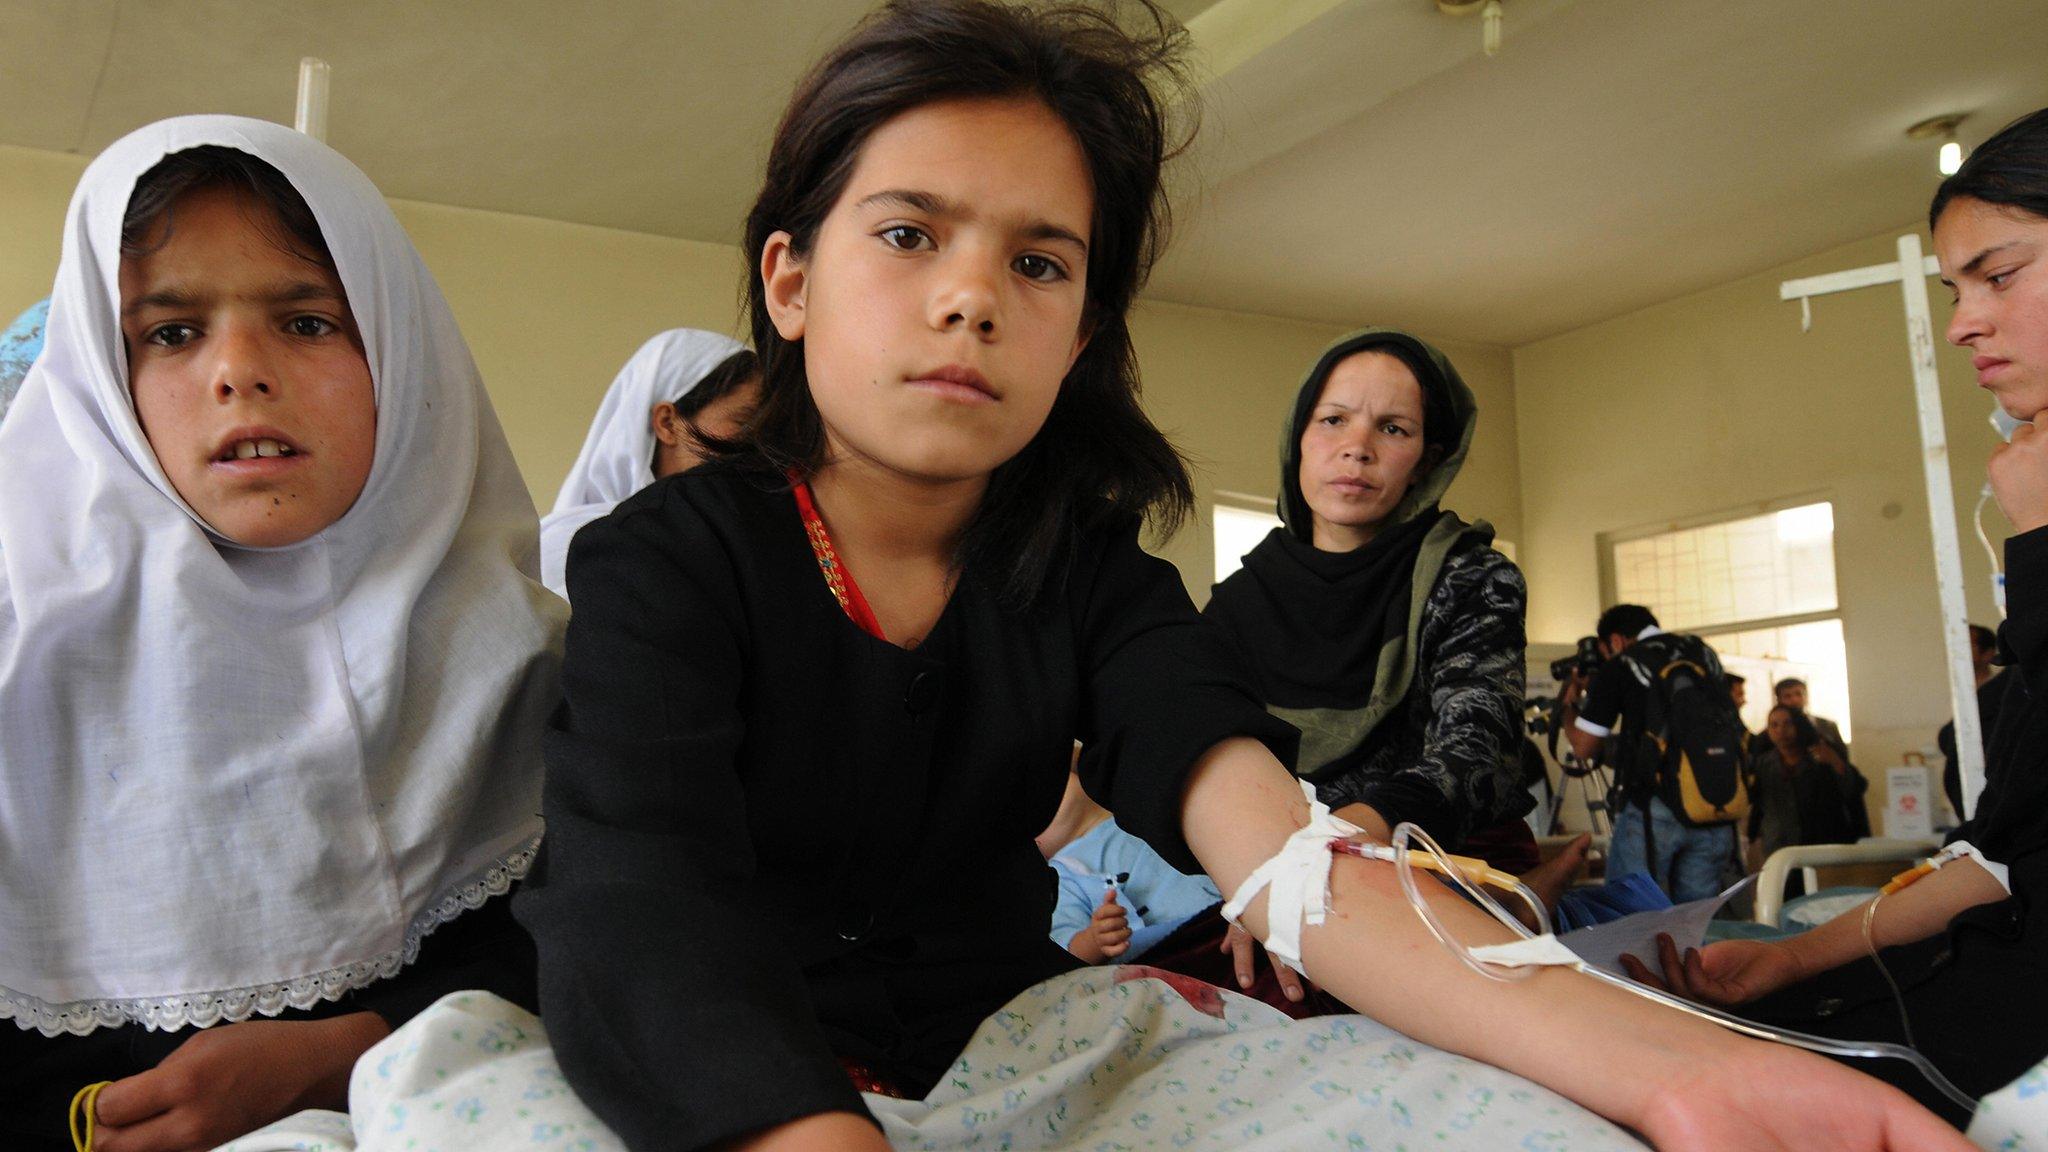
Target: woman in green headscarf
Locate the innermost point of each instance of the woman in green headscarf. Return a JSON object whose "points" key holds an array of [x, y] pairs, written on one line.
{"points": [[1385, 628]]}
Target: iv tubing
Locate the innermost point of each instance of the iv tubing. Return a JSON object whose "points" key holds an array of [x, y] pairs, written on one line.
{"points": [[1404, 868], [1984, 538]]}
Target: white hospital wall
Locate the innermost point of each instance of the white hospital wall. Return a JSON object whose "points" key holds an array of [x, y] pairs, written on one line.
{"points": [[1717, 403], [35, 188], [552, 310]]}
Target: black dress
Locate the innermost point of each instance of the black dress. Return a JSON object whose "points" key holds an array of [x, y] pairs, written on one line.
{"points": [[1973, 992], [776, 841]]}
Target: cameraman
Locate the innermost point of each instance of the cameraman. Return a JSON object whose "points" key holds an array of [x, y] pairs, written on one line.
{"points": [[1621, 706]]}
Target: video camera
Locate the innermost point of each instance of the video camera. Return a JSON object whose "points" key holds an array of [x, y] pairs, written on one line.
{"points": [[1587, 659]]}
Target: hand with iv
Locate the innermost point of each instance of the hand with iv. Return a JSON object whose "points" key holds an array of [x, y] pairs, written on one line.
{"points": [[1917, 904], [1684, 1083]]}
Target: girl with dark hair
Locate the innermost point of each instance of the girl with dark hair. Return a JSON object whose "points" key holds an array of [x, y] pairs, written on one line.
{"points": [[822, 692], [1968, 944]]}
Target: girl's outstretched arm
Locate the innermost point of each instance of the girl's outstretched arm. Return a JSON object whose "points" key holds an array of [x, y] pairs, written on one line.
{"points": [[1684, 1083], [1738, 971]]}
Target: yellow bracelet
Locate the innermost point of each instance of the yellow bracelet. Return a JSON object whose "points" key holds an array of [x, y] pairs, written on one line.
{"points": [[85, 1102]]}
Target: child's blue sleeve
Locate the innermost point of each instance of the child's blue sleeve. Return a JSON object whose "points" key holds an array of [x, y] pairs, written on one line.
{"points": [[1078, 894], [1159, 892]]}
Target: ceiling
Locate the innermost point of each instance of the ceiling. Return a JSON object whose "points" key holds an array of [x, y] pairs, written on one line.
{"points": [[1360, 159]]}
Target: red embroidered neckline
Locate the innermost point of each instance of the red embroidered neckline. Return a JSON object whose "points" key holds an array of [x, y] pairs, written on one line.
{"points": [[837, 578]]}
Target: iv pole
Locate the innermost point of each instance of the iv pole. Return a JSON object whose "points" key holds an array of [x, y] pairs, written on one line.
{"points": [[1910, 273], [311, 114]]}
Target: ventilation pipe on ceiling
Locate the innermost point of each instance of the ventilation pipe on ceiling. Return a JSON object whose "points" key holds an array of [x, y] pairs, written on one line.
{"points": [[1489, 16]]}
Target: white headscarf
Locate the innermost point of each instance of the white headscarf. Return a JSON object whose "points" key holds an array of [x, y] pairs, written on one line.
{"points": [[618, 456], [236, 780]]}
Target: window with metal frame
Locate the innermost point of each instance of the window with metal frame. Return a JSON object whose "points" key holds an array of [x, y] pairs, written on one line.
{"points": [[1759, 587], [1236, 525]]}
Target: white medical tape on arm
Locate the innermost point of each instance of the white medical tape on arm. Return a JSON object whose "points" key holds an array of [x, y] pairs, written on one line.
{"points": [[1299, 875], [1963, 848], [1536, 951]]}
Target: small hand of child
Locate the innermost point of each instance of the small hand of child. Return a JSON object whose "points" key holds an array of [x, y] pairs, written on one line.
{"points": [[2019, 478], [230, 1080], [1108, 934]]}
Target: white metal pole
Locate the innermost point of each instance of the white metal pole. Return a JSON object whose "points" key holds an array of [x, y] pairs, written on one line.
{"points": [[1941, 517], [1854, 278], [311, 115]]}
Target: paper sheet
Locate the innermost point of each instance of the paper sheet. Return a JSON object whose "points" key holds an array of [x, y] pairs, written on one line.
{"points": [[1603, 945]]}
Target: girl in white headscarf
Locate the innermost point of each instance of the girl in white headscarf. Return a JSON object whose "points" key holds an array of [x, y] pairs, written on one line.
{"points": [[682, 380], [273, 664]]}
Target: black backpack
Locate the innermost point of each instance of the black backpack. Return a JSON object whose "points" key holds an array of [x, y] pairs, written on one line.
{"points": [[1694, 741]]}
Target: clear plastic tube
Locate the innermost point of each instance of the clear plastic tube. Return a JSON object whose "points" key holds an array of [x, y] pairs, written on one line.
{"points": [[1404, 870], [1870, 946], [1991, 552]]}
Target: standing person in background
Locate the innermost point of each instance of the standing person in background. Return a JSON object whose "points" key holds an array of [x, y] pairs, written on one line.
{"points": [[1626, 718], [1990, 692], [1791, 693], [1738, 691], [1802, 793]]}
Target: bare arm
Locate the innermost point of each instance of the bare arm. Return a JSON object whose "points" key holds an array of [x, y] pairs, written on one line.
{"points": [[823, 1132], [1910, 914], [1368, 818], [232, 1079], [1630, 1057]]}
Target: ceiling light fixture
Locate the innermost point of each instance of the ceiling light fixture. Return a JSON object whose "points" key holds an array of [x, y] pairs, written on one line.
{"points": [[1942, 128], [1489, 15]]}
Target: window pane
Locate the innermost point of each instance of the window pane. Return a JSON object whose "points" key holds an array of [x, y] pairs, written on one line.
{"points": [[1777, 564], [1236, 533], [1812, 652]]}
